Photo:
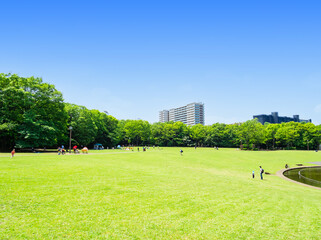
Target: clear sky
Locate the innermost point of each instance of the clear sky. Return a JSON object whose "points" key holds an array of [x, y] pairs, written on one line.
{"points": [[135, 58]]}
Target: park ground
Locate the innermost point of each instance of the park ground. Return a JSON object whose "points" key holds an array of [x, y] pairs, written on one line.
{"points": [[158, 194]]}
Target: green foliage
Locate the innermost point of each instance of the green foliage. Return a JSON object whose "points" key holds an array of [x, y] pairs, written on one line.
{"points": [[251, 133], [222, 135], [198, 134], [287, 134], [106, 128], [270, 132], [137, 132], [92, 126], [32, 113], [35, 132], [170, 134]]}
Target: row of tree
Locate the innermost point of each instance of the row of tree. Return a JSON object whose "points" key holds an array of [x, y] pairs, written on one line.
{"points": [[248, 135], [33, 114]]}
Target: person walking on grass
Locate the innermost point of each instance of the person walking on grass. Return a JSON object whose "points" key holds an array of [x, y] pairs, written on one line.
{"points": [[12, 153], [261, 172], [253, 174], [181, 151]]}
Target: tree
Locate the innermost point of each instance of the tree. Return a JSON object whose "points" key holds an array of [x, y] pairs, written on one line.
{"points": [[198, 134], [84, 129], [287, 134], [137, 131], [310, 135], [219, 134], [270, 132], [251, 132], [32, 113], [157, 134], [106, 128], [181, 137]]}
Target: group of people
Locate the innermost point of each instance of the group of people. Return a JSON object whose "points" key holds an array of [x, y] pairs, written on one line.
{"points": [[61, 150], [261, 173], [83, 150]]}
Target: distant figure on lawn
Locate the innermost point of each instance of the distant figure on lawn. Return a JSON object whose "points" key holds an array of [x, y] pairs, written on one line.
{"points": [[261, 172], [253, 174], [12, 153], [84, 150], [75, 149], [59, 150], [181, 151], [286, 165]]}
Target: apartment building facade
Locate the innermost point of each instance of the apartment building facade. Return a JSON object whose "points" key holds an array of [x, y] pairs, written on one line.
{"points": [[190, 114], [164, 116]]}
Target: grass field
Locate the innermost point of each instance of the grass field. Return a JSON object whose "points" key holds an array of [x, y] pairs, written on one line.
{"points": [[158, 194]]}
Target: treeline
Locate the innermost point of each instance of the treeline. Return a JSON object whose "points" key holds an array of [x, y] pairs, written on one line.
{"points": [[33, 114]]}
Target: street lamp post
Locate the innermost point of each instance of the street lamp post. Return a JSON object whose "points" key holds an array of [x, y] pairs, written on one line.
{"points": [[70, 129]]}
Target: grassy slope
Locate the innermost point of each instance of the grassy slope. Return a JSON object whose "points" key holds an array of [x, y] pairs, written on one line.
{"points": [[205, 194]]}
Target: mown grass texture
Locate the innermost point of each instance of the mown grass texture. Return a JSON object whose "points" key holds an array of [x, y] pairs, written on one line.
{"points": [[158, 194]]}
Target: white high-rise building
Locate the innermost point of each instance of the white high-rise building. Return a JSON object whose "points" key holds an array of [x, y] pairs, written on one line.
{"points": [[164, 116], [191, 114]]}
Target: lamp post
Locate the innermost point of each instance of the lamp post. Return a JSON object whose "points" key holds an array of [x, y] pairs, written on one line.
{"points": [[70, 129]]}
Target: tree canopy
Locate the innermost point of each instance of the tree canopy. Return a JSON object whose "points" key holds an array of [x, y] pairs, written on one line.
{"points": [[34, 114]]}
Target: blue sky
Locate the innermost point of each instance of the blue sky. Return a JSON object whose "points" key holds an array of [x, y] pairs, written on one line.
{"points": [[135, 58]]}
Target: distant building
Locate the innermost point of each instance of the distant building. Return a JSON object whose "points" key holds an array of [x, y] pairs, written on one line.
{"points": [[191, 114], [275, 118], [164, 116]]}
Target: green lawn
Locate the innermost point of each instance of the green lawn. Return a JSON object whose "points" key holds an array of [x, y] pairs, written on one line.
{"points": [[158, 194]]}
